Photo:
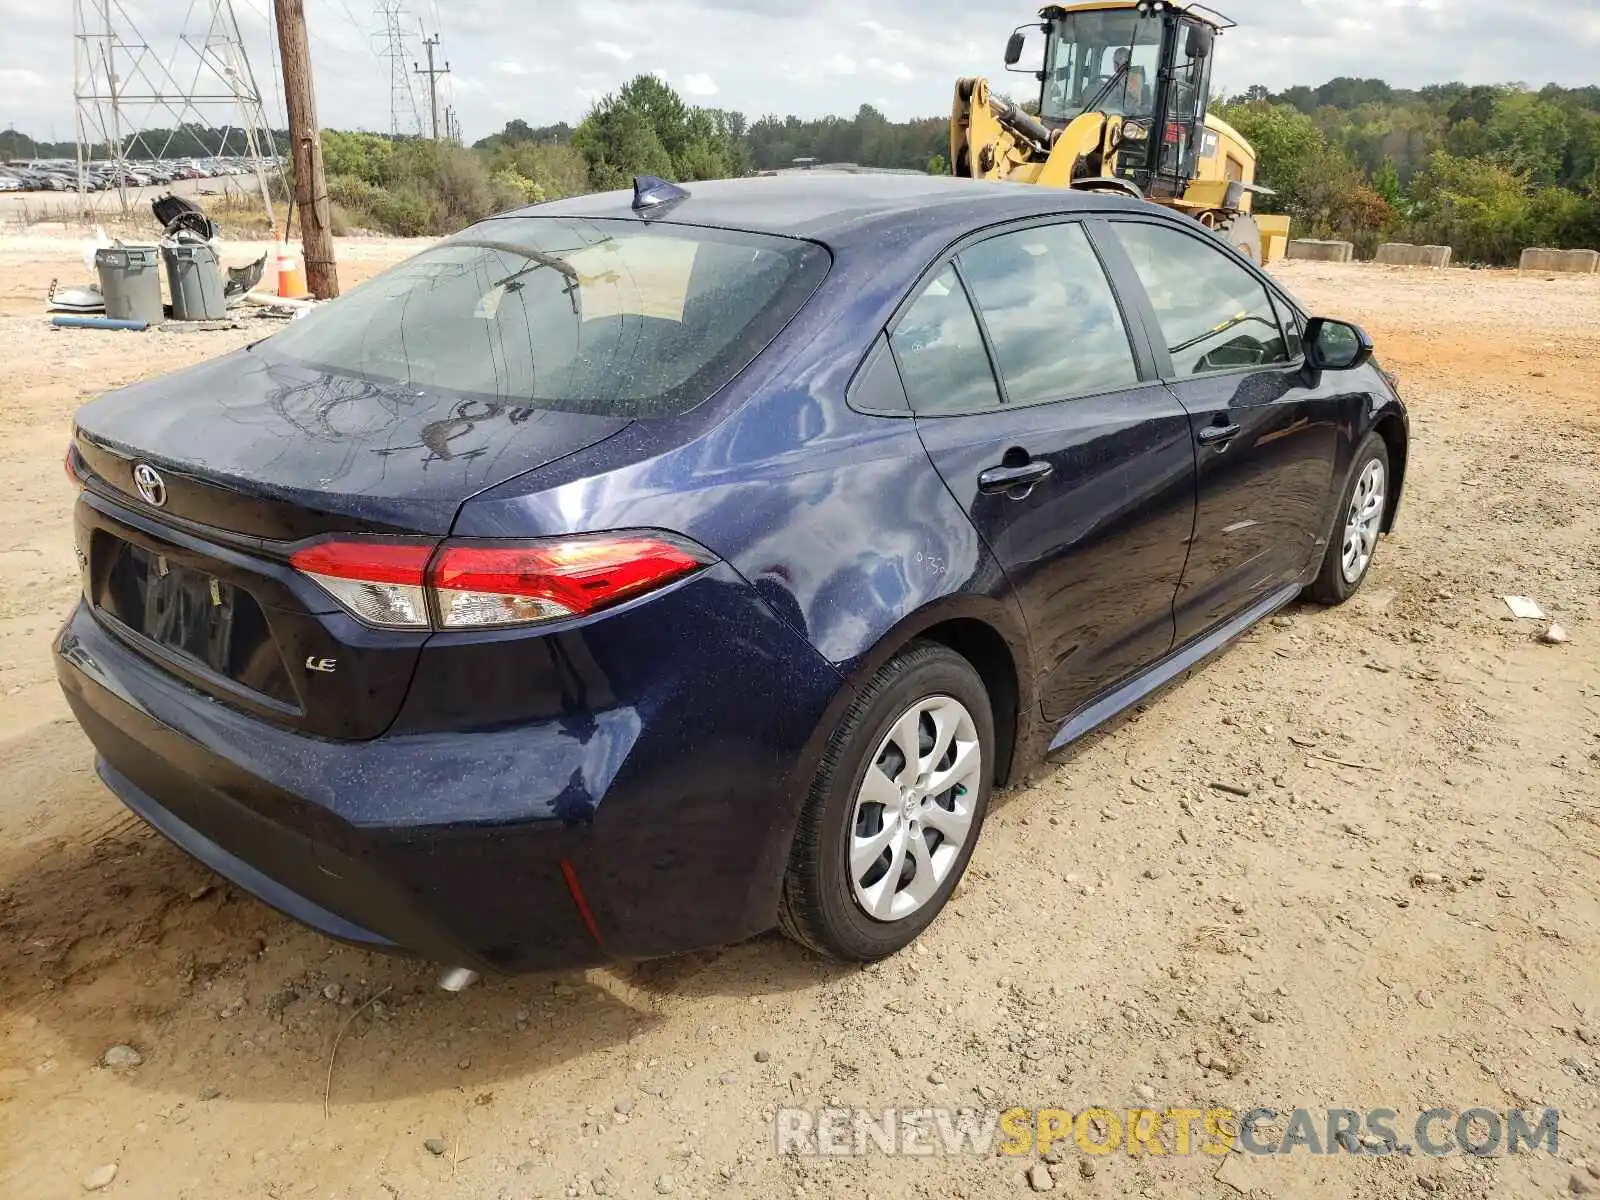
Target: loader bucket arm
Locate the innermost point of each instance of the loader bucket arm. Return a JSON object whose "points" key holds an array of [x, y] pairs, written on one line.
{"points": [[992, 138]]}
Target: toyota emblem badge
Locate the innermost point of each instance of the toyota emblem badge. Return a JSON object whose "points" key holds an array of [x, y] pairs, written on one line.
{"points": [[150, 484]]}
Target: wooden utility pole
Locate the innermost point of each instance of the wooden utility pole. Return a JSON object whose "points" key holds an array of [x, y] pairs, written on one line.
{"points": [[433, 74], [310, 185]]}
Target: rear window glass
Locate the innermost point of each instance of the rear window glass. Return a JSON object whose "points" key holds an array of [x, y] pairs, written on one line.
{"points": [[617, 318]]}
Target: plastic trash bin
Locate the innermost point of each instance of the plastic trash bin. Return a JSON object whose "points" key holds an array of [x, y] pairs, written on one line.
{"points": [[195, 280], [130, 280]]}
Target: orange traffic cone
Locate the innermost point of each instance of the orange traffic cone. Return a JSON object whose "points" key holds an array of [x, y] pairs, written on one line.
{"points": [[291, 277]]}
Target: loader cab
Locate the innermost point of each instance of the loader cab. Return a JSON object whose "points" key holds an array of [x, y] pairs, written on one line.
{"points": [[1148, 62]]}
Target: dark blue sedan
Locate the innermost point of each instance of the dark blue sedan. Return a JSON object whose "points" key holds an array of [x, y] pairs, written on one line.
{"points": [[641, 571]]}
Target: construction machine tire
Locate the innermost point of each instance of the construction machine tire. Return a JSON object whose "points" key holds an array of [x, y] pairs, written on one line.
{"points": [[1241, 232]]}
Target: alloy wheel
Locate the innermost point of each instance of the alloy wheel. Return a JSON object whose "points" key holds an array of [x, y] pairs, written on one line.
{"points": [[914, 809], [1362, 521]]}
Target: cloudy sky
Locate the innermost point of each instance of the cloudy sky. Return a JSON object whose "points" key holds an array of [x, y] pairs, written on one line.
{"points": [[544, 61]]}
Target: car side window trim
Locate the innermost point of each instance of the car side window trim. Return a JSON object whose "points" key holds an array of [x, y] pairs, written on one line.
{"points": [[945, 263], [1286, 310], [1139, 342], [866, 392], [983, 333], [1129, 289], [1167, 369]]}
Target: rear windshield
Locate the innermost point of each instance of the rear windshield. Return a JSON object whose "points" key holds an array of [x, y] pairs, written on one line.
{"points": [[617, 318]]}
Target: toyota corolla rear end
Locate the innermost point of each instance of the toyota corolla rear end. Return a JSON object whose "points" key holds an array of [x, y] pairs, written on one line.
{"points": [[506, 753]]}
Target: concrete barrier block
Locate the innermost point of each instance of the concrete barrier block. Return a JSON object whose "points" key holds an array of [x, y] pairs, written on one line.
{"points": [[1572, 262], [1319, 251], [1404, 254]]}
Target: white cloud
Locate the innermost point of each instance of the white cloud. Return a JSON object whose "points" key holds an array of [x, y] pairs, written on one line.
{"points": [[821, 57], [14, 79], [894, 70]]}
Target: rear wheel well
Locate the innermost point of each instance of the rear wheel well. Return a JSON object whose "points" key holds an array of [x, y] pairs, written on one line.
{"points": [[1393, 433], [989, 655]]}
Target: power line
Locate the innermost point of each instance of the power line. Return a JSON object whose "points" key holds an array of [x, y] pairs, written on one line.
{"points": [[433, 74]]}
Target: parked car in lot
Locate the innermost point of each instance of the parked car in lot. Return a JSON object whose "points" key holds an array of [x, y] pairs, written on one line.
{"points": [[638, 572]]}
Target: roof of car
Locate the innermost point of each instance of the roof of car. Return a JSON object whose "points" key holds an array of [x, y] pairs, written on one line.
{"points": [[828, 206]]}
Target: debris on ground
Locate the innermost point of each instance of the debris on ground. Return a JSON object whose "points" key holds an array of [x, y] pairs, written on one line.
{"points": [[65, 321], [1523, 608], [100, 1178], [121, 1056], [179, 216], [74, 299]]}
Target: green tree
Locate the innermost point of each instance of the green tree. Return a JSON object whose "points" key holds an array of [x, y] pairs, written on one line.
{"points": [[365, 156], [558, 170], [1386, 182], [1530, 136], [645, 128], [1287, 145], [618, 142], [1476, 205]]}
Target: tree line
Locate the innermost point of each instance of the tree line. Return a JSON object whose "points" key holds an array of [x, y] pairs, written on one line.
{"points": [[1487, 170], [186, 141]]}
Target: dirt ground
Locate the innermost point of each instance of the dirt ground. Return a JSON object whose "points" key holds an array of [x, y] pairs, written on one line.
{"points": [[1419, 929]]}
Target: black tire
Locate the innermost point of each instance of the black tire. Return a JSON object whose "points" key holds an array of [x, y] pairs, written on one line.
{"points": [[1241, 231], [818, 908], [1330, 586]]}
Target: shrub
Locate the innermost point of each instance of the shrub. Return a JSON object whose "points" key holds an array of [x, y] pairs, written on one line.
{"points": [[512, 189]]}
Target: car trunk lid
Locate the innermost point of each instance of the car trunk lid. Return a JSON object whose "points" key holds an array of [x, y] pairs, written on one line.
{"points": [[267, 448], [244, 459]]}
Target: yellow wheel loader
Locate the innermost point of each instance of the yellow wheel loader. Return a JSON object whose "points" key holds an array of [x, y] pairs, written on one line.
{"points": [[1123, 93]]}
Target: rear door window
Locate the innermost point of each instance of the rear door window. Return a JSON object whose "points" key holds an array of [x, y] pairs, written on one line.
{"points": [[617, 318], [1050, 313], [943, 362]]}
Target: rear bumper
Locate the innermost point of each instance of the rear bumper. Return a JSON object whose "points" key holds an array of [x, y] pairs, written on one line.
{"points": [[556, 842]]}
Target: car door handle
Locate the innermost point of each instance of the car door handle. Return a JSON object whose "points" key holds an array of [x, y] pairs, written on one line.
{"points": [[1217, 435], [1002, 479]]}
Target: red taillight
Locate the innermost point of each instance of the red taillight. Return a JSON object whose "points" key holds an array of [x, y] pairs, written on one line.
{"points": [[367, 561], [488, 585], [380, 582], [1174, 134], [541, 581]]}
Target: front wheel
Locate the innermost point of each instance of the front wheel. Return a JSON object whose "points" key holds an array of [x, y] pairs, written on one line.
{"points": [[1360, 521], [895, 809]]}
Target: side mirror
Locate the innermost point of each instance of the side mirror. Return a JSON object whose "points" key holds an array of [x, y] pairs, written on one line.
{"points": [[1014, 48], [1336, 345], [1199, 43]]}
